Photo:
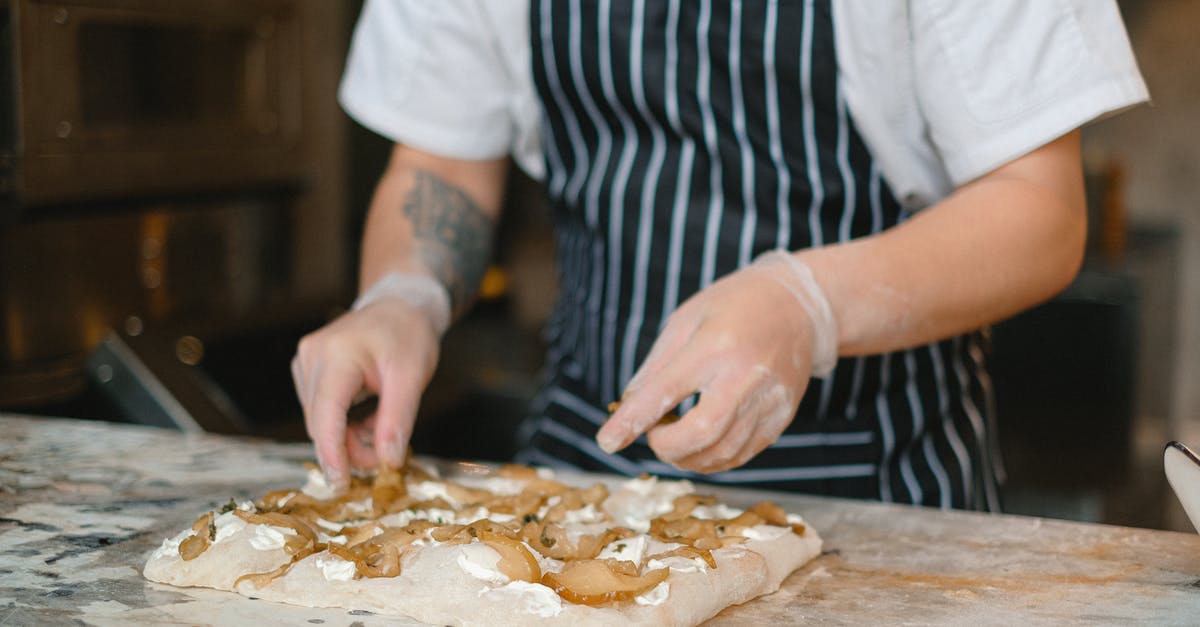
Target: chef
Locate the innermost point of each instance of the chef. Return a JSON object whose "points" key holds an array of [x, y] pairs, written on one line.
{"points": [[782, 226]]}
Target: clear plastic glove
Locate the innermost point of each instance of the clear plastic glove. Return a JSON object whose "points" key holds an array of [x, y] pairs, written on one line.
{"points": [[387, 344], [748, 344]]}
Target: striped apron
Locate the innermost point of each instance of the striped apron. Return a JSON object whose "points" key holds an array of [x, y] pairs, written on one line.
{"points": [[682, 139]]}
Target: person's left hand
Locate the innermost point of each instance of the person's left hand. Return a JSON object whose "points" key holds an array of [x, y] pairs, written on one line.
{"points": [[746, 344]]}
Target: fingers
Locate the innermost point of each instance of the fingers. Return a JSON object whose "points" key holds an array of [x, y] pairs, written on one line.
{"points": [[673, 337], [715, 419], [653, 390], [360, 443], [329, 393], [398, 402], [727, 454], [740, 414], [681, 376]]}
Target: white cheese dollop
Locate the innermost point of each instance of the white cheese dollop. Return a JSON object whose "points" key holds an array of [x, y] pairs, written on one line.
{"points": [[498, 517], [336, 568], [577, 531], [765, 532], [171, 545], [629, 549], [652, 487], [365, 506], [228, 524], [655, 596], [316, 486], [325, 538], [502, 486], [720, 511], [587, 514], [270, 537], [429, 490], [470, 516], [655, 547], [330, 525], [547, 564], [440, 516], [646, 499], [479, 561], [533, 598], [678, 564], [545, 509]]}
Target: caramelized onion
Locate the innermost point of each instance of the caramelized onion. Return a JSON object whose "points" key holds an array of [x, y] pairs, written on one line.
{"points": [[467, 497], [461, 534], [516, 562], [262, 579], [387, 487], [521, 505], [356, 534], [590, 545], [771, 513], [379, 555], [686, 504], [383, 561], [199, 541], [688, 552], [549, 539], [687, 530], [596, 582]]}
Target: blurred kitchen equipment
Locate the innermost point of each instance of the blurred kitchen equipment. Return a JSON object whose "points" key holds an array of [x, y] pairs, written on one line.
{"points": [[134, 97], [168, 167], [1182, 466]]}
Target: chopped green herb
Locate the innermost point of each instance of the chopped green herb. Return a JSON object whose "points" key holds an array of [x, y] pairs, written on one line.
{"points": [[212, 530], [621, 548], [228, 507], [547, 542], [530, 518]]}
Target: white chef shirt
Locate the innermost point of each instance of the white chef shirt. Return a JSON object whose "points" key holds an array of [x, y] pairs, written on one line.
{"points": [[942, 91]]}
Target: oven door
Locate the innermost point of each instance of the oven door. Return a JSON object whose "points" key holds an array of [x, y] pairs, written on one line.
{"points": [[118, 98]]}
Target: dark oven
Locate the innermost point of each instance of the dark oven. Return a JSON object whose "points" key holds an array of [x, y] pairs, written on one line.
{"points": [[168, 169], [120, 97]]}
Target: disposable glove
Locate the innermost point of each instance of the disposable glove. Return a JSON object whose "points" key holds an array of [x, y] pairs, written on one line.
{"points": [[747, 344], [386, 344]]}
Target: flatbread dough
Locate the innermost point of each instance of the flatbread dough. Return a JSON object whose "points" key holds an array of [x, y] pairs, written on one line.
{"points": [[451, 570]]}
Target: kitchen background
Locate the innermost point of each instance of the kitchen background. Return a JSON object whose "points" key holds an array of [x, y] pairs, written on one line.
{"points": [[180, 200]]}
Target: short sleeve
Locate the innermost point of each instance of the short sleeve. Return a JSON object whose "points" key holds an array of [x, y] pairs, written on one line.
{"points": [[433, 75], [997, 79]]}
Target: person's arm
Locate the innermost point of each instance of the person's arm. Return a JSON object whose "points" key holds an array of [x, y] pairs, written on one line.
{"points": [[426, 245], [1004, 242]]}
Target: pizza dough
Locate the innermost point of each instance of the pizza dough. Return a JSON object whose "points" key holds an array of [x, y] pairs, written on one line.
{"points": [[507, 546]]}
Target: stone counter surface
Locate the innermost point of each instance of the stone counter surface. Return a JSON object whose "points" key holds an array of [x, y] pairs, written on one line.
{"points": [[82, 505]]}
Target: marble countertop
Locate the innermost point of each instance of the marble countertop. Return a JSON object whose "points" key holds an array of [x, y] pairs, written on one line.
{"points": [[82, 505]]}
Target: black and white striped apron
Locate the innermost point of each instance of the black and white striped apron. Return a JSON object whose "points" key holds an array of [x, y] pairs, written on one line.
{"points": [[682, 139]]}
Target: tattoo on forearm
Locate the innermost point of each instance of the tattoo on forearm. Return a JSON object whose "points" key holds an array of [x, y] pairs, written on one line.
{"points": [[454, 235]]}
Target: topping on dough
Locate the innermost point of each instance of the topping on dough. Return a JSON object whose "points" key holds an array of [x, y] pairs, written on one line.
{"points": [[596, 582], [203, 532], [536, 542]]}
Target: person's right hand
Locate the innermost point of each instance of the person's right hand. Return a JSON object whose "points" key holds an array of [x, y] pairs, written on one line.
{"points": [[388, 345]]}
